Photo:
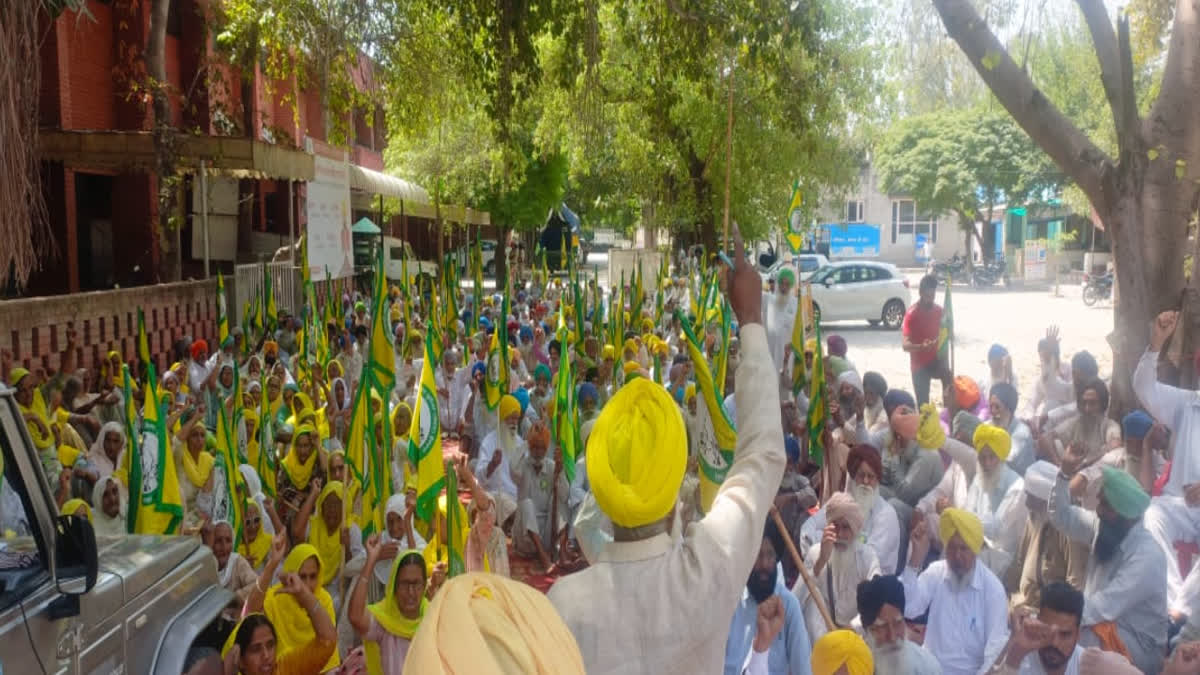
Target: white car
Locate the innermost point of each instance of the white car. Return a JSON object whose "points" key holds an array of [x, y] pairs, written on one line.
{"points": [[809, 264], [397, 251], [861, 289]]}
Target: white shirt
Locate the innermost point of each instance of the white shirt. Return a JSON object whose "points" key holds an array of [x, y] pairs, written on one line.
{"points": [[968, 628], [843, 576], [881, 531], [452, 406], [1050, 391], [1032, 664], [501, 479], [651, 606], [1002, 511], [778, 321], [1179, 409]]}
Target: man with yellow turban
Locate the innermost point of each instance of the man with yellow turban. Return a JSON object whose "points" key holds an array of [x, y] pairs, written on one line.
{"points": [[996, 496], [500, 450], [842, 651], [1125, 595], [968, 609], [647, 604]]}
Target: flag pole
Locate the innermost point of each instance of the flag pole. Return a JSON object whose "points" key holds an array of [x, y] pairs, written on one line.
{"points": [[728, 153], [804, 573]]}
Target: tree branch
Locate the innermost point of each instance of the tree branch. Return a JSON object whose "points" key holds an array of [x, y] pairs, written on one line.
{"points": [[1061, 140], [1105, 42]]}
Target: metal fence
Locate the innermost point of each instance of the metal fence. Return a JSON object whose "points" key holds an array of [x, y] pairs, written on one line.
{"points": [[250, 280]]}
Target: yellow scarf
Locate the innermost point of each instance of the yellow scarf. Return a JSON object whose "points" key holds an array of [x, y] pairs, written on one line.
{"points": [[198, 470], [38, 409], [70, 506], [293, 628], [328, 543], [389, 616], [256, 551], [299, 472]]}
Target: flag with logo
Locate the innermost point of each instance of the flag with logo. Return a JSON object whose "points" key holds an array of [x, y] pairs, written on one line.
{"points": [[799, 368], [155, 502], [382, 378], [795, 236], [817, 405], [496, 378], [566, 426], [425, 440], [222, 312], [227, 504], [713, 464], [265, 466]]}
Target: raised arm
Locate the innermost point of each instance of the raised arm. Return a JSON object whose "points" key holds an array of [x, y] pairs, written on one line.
{"points": [[1077, 523], [254, 601], [300, 522], [358, 601]]}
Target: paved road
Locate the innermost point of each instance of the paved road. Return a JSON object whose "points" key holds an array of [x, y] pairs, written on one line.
{"points": [[1016, 319]]}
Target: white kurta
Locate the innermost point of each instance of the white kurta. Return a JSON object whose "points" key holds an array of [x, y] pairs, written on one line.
{"points": [[1002, 512], [650, 606], [778, 321], [843, 580], [881, 531], [968, 627]]}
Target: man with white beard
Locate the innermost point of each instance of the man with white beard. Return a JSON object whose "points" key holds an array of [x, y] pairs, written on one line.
{"points": [[996, 497], [500, 450], [881, 607], [881, 529], [840, 563], [779, 313], [452, 392]]}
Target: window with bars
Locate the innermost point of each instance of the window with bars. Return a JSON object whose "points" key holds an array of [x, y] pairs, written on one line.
{"points": [[907, 221]]}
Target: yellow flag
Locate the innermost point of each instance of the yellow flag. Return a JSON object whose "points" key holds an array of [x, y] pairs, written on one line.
{"points": [[713, 465], [155, 503], [425, 439]]}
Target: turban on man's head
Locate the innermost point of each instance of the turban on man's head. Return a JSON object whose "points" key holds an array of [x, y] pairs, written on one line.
{"points": [[542, 370], [965, 423], [966, 392], [896, 398], [1096, 661], [1007, 395], [1039, 479], [1137, 424], [841, 506], [842, 648], [588, 390], [873, 381], [836, 345], [874, 594], [632, 370], [631, 345], [1123, 493], [271, 348], [1085, 364], [478, 369], [997, 352], [864, 453], [851, 378], [786, 273], [509, 406], [485, 623], [16, 375], [522, 396], [791, 447], [837, 365], [993, 437], [963, 523], [637, 453], [689, 392], [199, 349], [609, 352]]}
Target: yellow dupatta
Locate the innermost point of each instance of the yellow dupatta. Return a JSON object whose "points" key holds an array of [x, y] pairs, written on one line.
{"points": [[293, 628], [255, 552], [328, 544], [299, 472], [389, 616], [199, 470]]}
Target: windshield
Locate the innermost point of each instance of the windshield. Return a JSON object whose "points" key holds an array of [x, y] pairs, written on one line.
{"points": [[20, 561], [820, 275]]}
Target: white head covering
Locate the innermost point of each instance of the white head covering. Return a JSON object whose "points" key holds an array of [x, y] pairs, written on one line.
{"points": [[100, 520], [96, 454], [852, 378], [344, 402], [1039, 479], [225, 574], [395, 504], [254, 489]]}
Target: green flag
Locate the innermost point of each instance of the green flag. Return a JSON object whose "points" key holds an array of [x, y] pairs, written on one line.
{"points": [[817, 405]]}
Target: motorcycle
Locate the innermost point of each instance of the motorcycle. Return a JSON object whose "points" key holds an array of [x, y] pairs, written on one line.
{"points": [[987, 274], [947, 270], [1096, 288]]}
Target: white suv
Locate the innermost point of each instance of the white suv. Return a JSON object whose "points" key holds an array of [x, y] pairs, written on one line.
{"points": [[861, 289]]}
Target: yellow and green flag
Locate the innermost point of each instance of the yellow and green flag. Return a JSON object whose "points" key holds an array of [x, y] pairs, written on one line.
{"points": [[155, 502], [713, 466], [270, 319], [566, 418], [945, 341], [818, 406], [425, 439], [227, 504], [799, 368], [496, 379], [795, 237], [222, 311]]}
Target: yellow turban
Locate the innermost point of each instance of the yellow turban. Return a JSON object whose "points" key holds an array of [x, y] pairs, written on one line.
{"points": [[509, 405], [484, 623], [689, 392], [647, 325], [16, 375], [929, 431], [963, 523], [610, 352], [810, 345], [70, 506], [631, 345], [842, 648], [637, 453], [992, 436], [631, 367]]}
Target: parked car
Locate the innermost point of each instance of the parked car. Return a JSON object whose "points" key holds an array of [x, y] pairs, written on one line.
{"points": [[861, 289], [809, 264], [397, 252], [78, 603], [462, 255]]}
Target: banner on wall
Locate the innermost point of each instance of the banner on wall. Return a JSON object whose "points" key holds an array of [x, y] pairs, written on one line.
{"points": [[1035, 259], [855, 240], [330, 246]]}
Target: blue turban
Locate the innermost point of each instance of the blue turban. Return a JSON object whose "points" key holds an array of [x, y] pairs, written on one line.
{"points": [[588, 390], [526, 333], [1137, 424], [997, 352], [792, 447], [1085, 363], [896, 398], [478, 369], [523, 397], [1007, 395]]}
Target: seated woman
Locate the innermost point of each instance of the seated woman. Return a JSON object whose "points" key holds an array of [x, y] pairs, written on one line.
{"points": [[388, 625], [233, 571], [293, 611], [254, 645], [110, 500]]}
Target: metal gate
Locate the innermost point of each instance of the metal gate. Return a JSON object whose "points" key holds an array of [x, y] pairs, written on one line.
{"points": [[250, 280]]}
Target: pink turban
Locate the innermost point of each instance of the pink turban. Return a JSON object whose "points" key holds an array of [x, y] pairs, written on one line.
{"points": [[841, 506], [1100, 662]]}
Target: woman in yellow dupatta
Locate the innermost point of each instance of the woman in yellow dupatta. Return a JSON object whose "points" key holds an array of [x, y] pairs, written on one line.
{"points": [[197, 463], [297, 471], [388, 626]]}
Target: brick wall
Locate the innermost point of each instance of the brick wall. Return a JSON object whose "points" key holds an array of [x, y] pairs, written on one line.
{"points": [[35, 329], [86, 84]]}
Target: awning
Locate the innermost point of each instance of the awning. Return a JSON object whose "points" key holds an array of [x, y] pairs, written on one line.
{"points": [[365, 226], [388, 186], [453, 213], [125, 151]]}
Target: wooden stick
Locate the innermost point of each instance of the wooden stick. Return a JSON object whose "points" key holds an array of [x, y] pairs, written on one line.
{"points": [[728, 152], [804, 573]]}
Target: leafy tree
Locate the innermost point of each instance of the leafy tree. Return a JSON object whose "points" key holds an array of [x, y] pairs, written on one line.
{"points": [[964, 161]]}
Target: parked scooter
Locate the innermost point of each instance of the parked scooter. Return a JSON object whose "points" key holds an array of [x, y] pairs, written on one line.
{"points": [[1097, 287], [987, 274], [955, 268]]}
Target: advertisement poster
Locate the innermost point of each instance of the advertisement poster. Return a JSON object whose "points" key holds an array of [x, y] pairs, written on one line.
{"points": [[858, 240], [329, 243]]}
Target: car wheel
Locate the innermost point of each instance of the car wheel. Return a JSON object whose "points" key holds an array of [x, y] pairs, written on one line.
{"points": [[893, 314]]}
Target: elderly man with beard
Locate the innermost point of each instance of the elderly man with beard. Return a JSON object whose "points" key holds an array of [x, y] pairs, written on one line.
{"points": [[839, 563], [1002, 404], [500, 450], [910, 471], [539, 480], [1084, 369], [874, 389], [778, 315], [788, 651], [881, 606], [1044, 555], [453, 389], [1045, 643], [968, 610], [952, 489], [995, 496], [1091, 430], [881, 529], [1126, 595]]}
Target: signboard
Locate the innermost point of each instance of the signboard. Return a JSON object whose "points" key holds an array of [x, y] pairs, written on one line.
{"points": [[857, 240], [222, 199], [329, 242], [1035, 259]]}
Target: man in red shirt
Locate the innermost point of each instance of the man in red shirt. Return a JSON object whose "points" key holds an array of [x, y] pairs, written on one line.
{"points": [[920, 331]]}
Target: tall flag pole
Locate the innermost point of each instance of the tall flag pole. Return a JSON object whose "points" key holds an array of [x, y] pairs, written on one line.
{"points": [[795, 237], [496, 378], [270, 313], [155, 502], [425, 440], [222, 311], [566, 426], [227, 504]]}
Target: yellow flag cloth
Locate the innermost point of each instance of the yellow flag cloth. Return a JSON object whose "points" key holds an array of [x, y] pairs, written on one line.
{"points": [[637, 453], [293, 628], [930, 434], [842, 648], [963, 523], [484, 624], [993, 437], [327, 542]]}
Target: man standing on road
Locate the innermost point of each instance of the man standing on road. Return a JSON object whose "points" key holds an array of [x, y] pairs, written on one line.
{"points": [[779, 313], [920, 335]]}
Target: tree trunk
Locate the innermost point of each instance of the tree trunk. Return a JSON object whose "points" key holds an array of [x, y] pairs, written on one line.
{"points": [[987, 240], [705, 216], [164, 150]]}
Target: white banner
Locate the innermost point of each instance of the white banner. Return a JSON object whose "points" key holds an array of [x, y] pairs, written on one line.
{"points": [[329, 242]]}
